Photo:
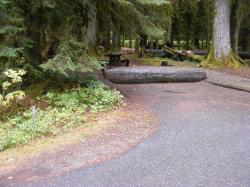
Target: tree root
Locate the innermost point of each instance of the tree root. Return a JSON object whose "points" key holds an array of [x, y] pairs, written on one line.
{"points": [[232, 61]]}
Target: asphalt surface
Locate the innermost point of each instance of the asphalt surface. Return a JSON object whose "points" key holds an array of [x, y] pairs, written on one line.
{"points": [[203, 140]]}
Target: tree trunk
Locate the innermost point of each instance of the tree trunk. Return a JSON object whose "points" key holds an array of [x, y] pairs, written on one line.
{"points": [[178, 40], [169, 34], [222, 45], [238, 19], [151, 44], [123, 40], [116, 37], [188, 37], [92, 28], [236, 35], [157, 44], [202, 40], [248, 41], [130, 42], [207, 39], [221, 52], [143, 44], [137, 45], [107, 39]]}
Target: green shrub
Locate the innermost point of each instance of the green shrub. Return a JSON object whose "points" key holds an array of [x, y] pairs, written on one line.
{"points": [[96, 97], [71, 57], [66, 110], [11, 87]]}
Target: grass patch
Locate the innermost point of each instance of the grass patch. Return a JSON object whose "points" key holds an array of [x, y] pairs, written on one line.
{"points": [[155, 61], [65, 110]]}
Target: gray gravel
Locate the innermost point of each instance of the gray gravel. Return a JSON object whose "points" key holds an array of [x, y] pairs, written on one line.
{"points": [[203, 140], [228, 81]]}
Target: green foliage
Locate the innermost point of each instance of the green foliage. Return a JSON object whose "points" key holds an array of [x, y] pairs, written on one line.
{"points": [[53, 34], [8, 52], [145, 16], [25, 127], [66, 110], [96, 97], [11, 86], [192, 22], [10, 31], [71, 57]]}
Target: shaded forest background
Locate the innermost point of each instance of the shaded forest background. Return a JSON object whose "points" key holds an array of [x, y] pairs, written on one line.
{"points": [[55, 37]]}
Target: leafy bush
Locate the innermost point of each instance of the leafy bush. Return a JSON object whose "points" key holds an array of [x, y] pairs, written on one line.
{"points": [[96, 97], [11, 86], [25, 127], [71, 57], [66, 110]]}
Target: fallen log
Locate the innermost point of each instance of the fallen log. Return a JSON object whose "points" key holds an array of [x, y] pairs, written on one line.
{"points": [[173, 54], [145, 74], [180, 55]]}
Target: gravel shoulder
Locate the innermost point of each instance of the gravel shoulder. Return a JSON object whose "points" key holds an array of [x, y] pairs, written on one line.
{"points": [[228, 80]]}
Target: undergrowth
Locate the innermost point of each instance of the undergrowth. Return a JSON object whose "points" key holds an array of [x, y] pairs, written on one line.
{"points": [[65, 110]]}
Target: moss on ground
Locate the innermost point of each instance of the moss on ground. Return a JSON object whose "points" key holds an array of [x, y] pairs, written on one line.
{"points": [[232, 61]]}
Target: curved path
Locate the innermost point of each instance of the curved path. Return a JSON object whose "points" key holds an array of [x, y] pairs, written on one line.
{"points": [[204, 140]]}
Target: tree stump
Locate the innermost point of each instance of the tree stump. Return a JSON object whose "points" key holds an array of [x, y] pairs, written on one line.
{"points": [[164, 63]]}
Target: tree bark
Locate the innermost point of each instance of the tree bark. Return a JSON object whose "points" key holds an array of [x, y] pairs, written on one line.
{"points": [[169, 34], [130, 42], [116, 36], [123, 40], [222, 45], [248, 41], [188, 36], [151, 43], [139, 75], [238, 18], [236, 36], [143, 44], [178, 41], [207, 39], [107, 38], [92, 28], [137, 45]]}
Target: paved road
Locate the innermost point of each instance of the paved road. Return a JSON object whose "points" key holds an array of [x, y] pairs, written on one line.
{"points": [[204, 140]]}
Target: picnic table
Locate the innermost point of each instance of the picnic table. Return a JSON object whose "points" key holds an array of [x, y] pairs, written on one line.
{"points": [[115, 59]]}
